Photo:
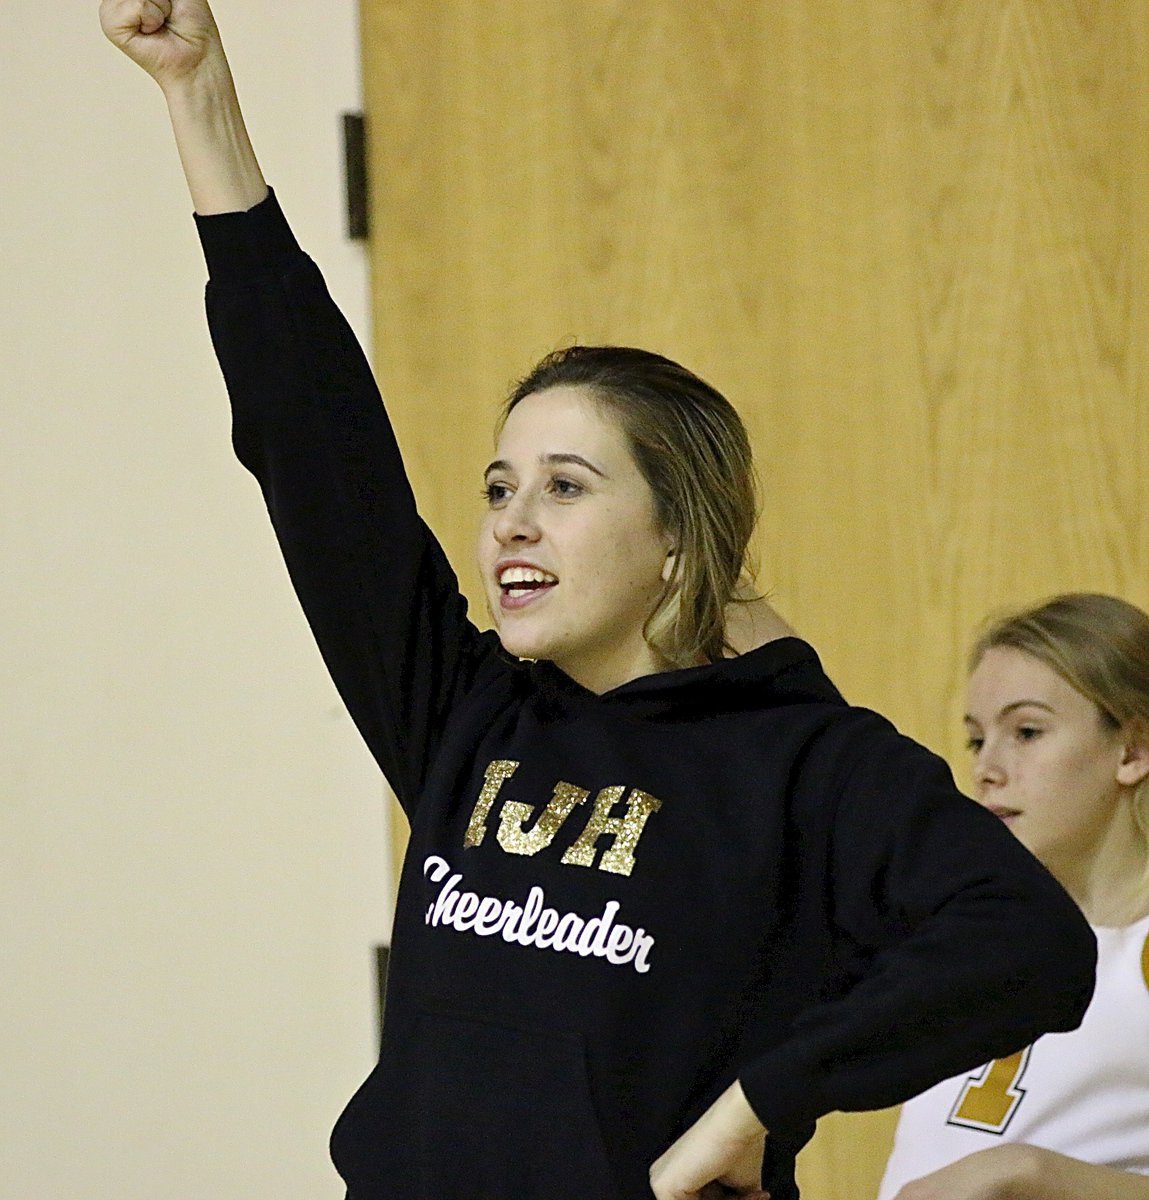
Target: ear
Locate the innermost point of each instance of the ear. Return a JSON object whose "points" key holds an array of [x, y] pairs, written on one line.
{"points": [[1134, 765], [668, 565]]}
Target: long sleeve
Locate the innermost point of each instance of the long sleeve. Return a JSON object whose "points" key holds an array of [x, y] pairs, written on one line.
{"points": [[309, 423], [953, 945]]}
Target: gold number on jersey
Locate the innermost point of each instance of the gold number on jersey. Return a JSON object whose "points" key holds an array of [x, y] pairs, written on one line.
{"points": [[1145, 961], [989, 1099]]}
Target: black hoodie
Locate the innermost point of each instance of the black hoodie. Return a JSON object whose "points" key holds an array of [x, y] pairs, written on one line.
{"points": [[614, 905]]}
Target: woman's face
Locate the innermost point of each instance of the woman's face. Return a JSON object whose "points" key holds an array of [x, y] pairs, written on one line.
{"points": [[572, 558], [1045, 761]]}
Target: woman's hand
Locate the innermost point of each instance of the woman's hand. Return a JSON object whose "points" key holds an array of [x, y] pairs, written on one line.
{"points": [[752, 621], [719, 1155], [170, 39], [177, 43]]}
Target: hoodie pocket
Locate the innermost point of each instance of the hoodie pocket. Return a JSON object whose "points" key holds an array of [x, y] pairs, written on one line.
{"points": [[505, 1113]]}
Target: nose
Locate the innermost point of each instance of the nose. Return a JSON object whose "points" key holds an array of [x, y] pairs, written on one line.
{"points": [[517, 520], [988, 772]]}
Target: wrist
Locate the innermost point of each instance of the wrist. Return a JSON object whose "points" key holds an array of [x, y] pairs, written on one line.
{"points": [[222, 172], [737, 1116], [205, 92]]}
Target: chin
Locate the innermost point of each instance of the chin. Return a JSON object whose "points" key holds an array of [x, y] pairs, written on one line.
{"points": [[522, 645]]}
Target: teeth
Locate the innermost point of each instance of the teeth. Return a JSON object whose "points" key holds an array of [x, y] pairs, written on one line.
{"points": [[510, 576]]}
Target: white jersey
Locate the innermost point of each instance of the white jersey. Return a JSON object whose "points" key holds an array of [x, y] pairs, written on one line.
{"points": [[1083, 1093]]}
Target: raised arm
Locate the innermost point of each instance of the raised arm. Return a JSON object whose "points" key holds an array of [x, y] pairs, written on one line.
{"points": [[308, 421], [177, 43]]}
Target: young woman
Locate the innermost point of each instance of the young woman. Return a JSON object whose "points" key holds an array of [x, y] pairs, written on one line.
{"points": [[663, 907], [1058, 724]]}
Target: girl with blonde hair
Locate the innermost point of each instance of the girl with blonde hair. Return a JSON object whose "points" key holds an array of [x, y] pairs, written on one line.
{"points": [[1058, 724]]}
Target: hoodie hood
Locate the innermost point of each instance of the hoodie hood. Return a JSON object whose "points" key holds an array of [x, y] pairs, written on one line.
{"points": [[781, 673]]}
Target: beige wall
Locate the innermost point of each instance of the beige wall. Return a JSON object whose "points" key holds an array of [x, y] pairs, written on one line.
{"points": [[192, 853]]}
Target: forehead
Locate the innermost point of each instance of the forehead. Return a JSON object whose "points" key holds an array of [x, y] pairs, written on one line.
{"points": [[1005, 675], [563, 420]]}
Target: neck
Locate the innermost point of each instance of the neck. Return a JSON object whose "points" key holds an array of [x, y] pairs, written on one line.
{"points": [[603, 674], [1110, 882]]}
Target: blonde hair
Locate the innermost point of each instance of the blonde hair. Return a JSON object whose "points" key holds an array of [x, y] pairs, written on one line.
{"points": [[691, 447], [1100, 646]]}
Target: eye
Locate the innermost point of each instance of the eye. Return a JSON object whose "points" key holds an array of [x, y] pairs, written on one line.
{"points": [[566, 489], [974, 744], [1027, 733], [495, 493]]}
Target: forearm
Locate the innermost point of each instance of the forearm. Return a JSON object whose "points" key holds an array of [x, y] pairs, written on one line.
{"points": [[219, 163], [1017, 1171], [1052, 1176], [945, 922]]}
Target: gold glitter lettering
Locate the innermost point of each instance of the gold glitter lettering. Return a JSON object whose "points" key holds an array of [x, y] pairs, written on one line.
{"points": [[626, 830], [493, 779], [516, 840]]}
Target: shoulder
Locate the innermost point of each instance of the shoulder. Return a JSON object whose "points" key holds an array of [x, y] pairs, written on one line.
{"points": [[864, 747]]}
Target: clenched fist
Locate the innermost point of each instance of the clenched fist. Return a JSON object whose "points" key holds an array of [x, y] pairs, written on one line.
{"points": [[170, 39], [178, 44]]}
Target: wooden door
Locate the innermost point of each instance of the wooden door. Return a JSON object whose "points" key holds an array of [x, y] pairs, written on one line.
{"points": [[907, 239]]}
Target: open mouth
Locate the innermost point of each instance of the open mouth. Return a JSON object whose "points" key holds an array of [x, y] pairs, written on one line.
{"points": [[520, 585]]}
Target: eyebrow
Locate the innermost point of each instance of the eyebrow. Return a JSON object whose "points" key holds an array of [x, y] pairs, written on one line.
{"points": [[970, 720], [551, 460]]}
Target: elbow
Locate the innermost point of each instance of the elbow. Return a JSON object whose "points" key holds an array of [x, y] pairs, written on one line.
{"points": [[246, 443], [1062, 971], [1081, 985]]}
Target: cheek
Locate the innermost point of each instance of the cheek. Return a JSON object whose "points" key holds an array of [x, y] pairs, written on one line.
{"points": [[486, 547], [1072, 789], [635, 571], [640, 549], [1050, 780], [1083, 767]]}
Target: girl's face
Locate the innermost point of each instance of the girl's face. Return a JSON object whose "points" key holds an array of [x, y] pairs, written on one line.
{"points": [[572, 557], [1047, 763]]}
